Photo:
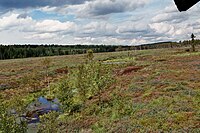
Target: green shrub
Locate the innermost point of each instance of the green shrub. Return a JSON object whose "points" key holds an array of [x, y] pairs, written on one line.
{"points": [[49, 123], [91, 79], [64, 93], [9, 123]]}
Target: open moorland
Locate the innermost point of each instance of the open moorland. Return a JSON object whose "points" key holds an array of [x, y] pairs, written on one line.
{"points": [[132, 91]]}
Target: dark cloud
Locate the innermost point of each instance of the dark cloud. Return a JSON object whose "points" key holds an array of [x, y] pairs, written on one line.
{"points": [[36, 3], [104, 7], [24, 15]]}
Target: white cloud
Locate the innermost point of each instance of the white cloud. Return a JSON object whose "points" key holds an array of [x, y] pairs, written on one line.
{"points": [[40, 30], [100, 28], [138, 41], [170, 17], [101, 22], [43, 36], [170, 24], [54, 26], [12, 21], [132, 27], [163, 28]]}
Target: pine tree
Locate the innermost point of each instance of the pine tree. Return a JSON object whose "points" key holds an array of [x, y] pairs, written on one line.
{"points": [[193, 44]]}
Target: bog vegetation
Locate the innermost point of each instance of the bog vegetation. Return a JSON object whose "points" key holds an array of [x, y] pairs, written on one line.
{"points": [[131, 91]]}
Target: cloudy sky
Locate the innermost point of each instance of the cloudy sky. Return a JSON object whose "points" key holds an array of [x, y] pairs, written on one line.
{"points": [[117, 22]]}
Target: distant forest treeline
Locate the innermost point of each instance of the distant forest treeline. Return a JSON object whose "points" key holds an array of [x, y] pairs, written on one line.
{"points": [[24, 51]]}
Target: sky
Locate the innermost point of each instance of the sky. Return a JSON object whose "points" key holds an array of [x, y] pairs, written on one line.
{"points": [[108, 22]]}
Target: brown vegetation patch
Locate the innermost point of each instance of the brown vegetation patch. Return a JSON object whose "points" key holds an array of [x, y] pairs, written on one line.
{"points": [[105, 96], [142, 112], [3, 77], [160, 60], [81, 124], [63, 70], [144, 58], [152, 96], [128, 70]]}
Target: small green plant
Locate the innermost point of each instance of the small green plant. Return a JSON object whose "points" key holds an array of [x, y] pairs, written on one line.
{"points": [[65, 94], [31, 80], [46, 62], [98, 128], [34, 80], [10, 123], [102, 80], [82, 82], [49, 123], [91, 79], [90, 55]]}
